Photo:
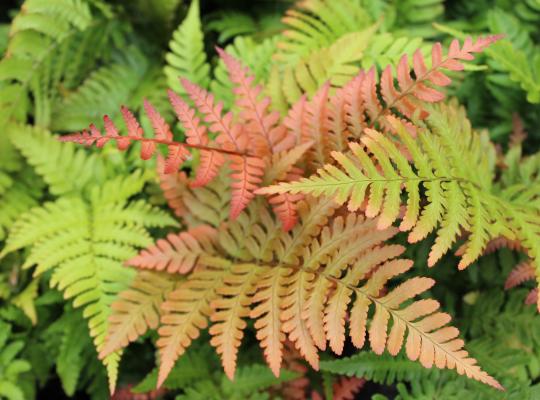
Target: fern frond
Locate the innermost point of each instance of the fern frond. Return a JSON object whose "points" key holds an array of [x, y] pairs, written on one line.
{"points": [[384, 369], [519, 48], [315, 24], [228, 312], [102, 91], [17, 196], [411, 89], [522, 272], [177, 253], [229, 24], [299, 285], [210, 161], [336, 64], [84, 242], [136, 310], [44, 37], [186, 312], [347, 388], [376, 172], [206, 204], [64, 168], [256, 55], [187, 57], [259, 120]]}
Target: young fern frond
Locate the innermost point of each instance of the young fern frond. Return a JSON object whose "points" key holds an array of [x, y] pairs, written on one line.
{"points": [[137, 309]]}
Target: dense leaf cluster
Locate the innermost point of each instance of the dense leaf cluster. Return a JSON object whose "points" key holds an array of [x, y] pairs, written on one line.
{"points": [[261, 251]]}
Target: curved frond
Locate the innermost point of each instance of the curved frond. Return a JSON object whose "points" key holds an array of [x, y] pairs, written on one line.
{"points": [[376, 172]]}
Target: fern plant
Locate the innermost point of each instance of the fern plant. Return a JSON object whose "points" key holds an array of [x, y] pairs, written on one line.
{"points": [[305, 286], [343, 100]]}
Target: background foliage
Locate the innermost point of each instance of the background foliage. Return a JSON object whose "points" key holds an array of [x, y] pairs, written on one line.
{"points": [[68, 62]]}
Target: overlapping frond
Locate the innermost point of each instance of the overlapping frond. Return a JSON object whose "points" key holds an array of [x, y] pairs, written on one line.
{"points": [[137, 309], [314, 24], [177, 253], [376, 172], [300, 285]]}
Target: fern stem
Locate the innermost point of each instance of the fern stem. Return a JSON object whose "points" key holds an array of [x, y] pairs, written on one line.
{"points": [[68, 138]]}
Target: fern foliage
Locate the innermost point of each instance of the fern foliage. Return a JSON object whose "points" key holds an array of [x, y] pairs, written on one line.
{"points": [[84, 241], [290, 161], [232, 282], [459, 199], [187, 57]]}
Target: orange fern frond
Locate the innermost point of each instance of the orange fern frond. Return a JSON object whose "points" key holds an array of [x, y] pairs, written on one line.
{"points": [[185, 313], [521, 273], [262, 124], [136, 310], [338, 133], [210, 160], [354, 107], [230, 136], [296, 119], [174, 187], [266, 312], [246, 176], [532, 298], [285, 208], [294, 302], [413, 92], [161, 128], [318, 127], [178, 253], [228, 311]]}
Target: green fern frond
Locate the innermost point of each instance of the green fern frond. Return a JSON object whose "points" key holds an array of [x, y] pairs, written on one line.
{"points": [[65, 169], [229, 24], [418, 15], [387, 48], [187, 58], [51, 42], [52, 18], [382, 369], [253, 378], [12, 365], [316, 24], [101, 92], [85, 243], [18, 198], [69, 334], [335, 64]]}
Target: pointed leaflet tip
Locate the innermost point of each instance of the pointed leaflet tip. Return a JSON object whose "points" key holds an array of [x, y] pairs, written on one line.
{"points": [[220, 51]]}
